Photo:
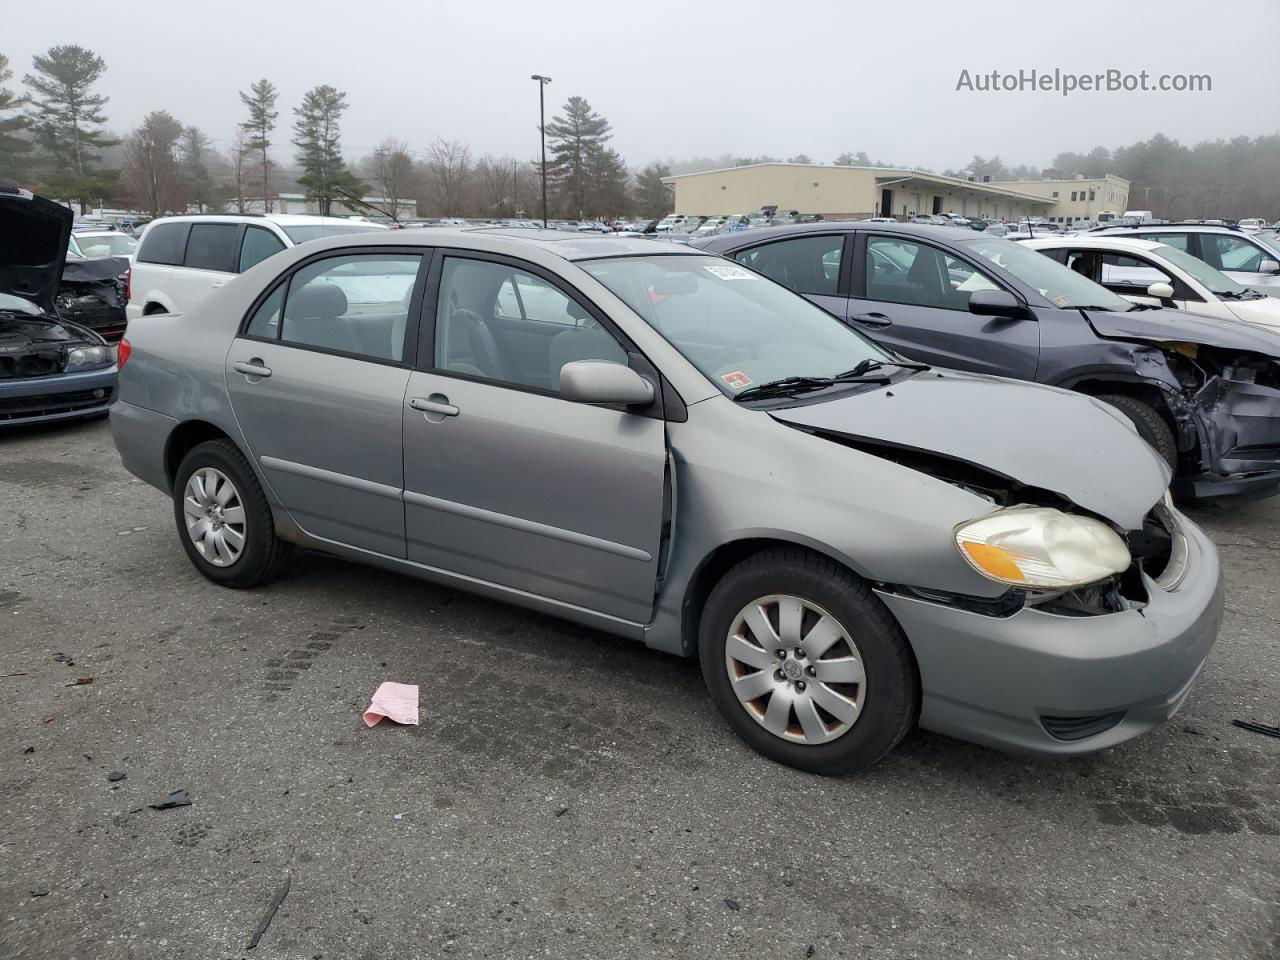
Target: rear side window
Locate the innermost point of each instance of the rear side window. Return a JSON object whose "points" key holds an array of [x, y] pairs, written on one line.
{"points": [[212, 246], [806, 264], [258, 245], [164, 243]]}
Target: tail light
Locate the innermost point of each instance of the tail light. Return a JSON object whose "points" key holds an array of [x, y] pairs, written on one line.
{"points": [[123, 350], [128, 285]]}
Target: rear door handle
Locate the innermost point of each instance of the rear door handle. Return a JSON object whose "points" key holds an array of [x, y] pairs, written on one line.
{"points": [[871, 319], [252, 368], [440, 407]]}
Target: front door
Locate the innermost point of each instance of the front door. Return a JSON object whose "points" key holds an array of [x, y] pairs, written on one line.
{"points": [[317, 381], [914, 298], [507, 482]]}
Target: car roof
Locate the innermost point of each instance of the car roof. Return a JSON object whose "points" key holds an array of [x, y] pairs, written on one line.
{"points": [[745, 238], [1130, 243], [282, 219], [1175, 228]]}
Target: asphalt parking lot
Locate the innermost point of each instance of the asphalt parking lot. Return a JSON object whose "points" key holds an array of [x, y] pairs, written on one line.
{"points": [[567, 794]]}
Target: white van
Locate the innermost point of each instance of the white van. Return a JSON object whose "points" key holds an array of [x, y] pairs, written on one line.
{"points": [[182, 260], [1142, 216]]}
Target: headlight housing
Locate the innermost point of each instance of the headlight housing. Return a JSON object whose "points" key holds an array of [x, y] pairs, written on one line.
{"points": [[87, 357], [1042, 548]]}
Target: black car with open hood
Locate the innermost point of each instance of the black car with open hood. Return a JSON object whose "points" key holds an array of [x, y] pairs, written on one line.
{"points": [[50, 367]]}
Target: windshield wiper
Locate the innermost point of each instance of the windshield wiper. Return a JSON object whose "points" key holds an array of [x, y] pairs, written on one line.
{"points": [[790, 386], [866, 366], [1238, 294], [1140, 306]]}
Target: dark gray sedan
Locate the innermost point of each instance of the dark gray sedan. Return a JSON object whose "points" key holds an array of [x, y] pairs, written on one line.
{"points": [[1204, 393]]}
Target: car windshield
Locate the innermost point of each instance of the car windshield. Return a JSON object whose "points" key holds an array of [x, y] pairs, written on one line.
{"points": [[1215, 280], [302, 233], [1269, 239], [108, 245], [12, 304], [1058, 284], [737, 327]]}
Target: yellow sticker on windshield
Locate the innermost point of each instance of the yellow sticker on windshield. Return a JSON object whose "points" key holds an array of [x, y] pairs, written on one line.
{"points": [[727, 271]]}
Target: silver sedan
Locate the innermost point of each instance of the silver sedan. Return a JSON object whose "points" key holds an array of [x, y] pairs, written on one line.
{"points": [[667, 446]]}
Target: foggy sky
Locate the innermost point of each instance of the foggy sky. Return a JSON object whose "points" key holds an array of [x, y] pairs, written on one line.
{"points": [[682, 79]]}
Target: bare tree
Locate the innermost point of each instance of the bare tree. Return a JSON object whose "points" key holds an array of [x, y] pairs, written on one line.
{"points": [[448, 169], [391, 170], [495, 184]]}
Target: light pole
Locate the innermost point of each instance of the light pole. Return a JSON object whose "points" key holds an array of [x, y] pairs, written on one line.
{"points": [[542, 128]]}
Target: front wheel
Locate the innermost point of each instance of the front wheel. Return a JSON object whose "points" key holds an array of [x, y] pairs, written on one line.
{"points": [[223, 518], [1150, 425], [805, 664]]}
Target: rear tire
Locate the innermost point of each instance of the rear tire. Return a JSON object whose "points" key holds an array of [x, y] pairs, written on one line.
{"points": [[830, 600], [1152, 427], [248, 552]]}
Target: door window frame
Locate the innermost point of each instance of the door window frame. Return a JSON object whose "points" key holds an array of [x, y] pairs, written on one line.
{"points": [[664, 398], [858, 289], [427, 258]]}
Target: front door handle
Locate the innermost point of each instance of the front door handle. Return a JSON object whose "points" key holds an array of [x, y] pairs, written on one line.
{"points": [[871, 319], [254, 368], [437, 404]]}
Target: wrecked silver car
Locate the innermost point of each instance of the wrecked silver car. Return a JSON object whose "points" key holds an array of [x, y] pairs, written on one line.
{"points": [[1205, 393], [666, 446]]}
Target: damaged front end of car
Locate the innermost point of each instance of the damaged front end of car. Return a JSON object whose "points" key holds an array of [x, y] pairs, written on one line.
{"points": [[93, 294]]}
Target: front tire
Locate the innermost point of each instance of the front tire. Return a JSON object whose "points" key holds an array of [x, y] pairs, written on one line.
{"points": [[1150, 425], [805, 664], [223, 518]]}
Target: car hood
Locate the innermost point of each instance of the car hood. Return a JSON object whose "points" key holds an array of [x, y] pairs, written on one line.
{"points": [[1035, 436], [1264, 311], [34, 233], [1177, 326]]}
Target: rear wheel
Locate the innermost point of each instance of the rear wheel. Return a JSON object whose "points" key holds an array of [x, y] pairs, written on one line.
{"points": [[1152, 427], [805, 664], [223, 518]]}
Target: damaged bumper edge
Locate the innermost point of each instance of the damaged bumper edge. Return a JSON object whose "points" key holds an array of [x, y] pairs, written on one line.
{"points": [[1239, 426], [1125, 673]]}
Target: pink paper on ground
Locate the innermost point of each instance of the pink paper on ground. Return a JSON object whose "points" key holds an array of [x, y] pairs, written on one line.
{"points": [[395, 701]]}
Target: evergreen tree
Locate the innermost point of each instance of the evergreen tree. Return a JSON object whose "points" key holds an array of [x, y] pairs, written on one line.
{"points": [[317, 136], [576, 137], [14, 149], [69, 118], [261, 101], [193, 150], [652, 197]]}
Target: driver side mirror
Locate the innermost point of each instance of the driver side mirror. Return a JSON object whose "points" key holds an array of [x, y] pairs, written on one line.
{"points": [[1161, 291], [603, 381], [996, 303], [1269, 266]]}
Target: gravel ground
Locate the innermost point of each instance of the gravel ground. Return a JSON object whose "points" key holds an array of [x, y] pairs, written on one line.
{"points": [[567, 794]]}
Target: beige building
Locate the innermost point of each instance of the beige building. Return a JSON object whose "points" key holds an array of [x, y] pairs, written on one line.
{"points": [[1081, 198], [847, 192]]}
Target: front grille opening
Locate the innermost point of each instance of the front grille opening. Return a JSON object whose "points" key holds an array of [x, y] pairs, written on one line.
{"points": [[28, 408], [1072, 729]]}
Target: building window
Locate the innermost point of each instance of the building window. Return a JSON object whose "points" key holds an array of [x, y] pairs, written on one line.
{"points": [[1055, 194], [1090, 196], [1073, 195]]}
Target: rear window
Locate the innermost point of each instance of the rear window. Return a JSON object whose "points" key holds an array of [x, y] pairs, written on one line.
{"points": [[164, 243], [212, 246]]}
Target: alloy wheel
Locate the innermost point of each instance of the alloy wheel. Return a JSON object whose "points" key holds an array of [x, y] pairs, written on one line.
{"points": [[795, 669], [214, 516]]}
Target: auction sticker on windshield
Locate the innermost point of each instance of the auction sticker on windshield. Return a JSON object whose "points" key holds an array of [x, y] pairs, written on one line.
{"points": [[737, 379], [727, 271]]}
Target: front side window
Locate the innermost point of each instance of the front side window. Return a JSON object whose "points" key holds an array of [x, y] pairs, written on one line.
{"points": [[1134, 274], [212, 246], [1231, 253], [902, 271], [805, 264], [258, 244], [353, 303], [1057, 283], [738, 328], [507, 325]]}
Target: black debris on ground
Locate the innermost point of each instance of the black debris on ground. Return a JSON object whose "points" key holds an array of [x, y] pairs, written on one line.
{"points": [[178, 798]]}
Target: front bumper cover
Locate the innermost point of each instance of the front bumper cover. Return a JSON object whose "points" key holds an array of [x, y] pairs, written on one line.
{"points": [[61, 397], [991, 680]]}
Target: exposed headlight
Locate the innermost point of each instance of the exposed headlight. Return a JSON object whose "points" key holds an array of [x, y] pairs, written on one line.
{"points": [[1042, 548], [88, 356]]}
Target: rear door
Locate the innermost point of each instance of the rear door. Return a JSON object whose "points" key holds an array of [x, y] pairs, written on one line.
{"points": [[317, 381], [913, 297], [505, 480]]}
